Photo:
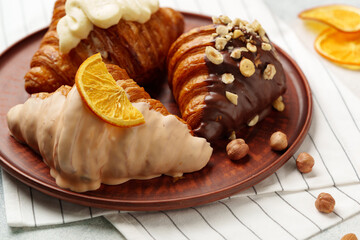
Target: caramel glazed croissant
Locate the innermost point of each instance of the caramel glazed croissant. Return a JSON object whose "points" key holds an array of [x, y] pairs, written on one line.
{"points": [[61, 128], [140, 49], [220, 90]]}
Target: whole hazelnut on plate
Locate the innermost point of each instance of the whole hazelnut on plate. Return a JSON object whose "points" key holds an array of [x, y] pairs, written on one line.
{"points": [[349, 236], [304, 162], [325, 203], [237, 149], [278, 141]]}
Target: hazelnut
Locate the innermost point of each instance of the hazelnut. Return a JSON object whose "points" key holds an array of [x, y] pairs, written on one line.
{"points": [[230, 26], [265, 39], [232, 97], [325, 203], [265, 46], [278, 104], [216, 20], [261, 32], [236, 21], [225, 19], [236, 53], [349, 236], [269, 72], [213, 55], [247, 67], [222, 30], [304, 162], [220, 43], [251, 47], [237, 33], [256, 25], [233, 135], [278, 141], [237, 149], [227, 78], [253, 121], [228, 36]]}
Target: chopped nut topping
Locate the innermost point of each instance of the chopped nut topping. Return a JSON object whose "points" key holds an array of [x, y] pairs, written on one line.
{"points": [[227, 37], [244, 22], [225, 19], [278, 104], [256, 26], [236, 21], [236, 53], [213, 55], [269, 72], [232, 97], [265, 46], [237, 33], [216, 20], [251, 47], [261, 32], [227, 78], [254, 121], [230, 26], [214, 35], [233, 135], [247, 67], [230, 47], [257, 60], [220, 43], [222, 30], [265, 39]]}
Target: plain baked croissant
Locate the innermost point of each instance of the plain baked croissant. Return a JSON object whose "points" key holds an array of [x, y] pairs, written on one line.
{"points": [[225, 76], [84, 151], [140, 49]]}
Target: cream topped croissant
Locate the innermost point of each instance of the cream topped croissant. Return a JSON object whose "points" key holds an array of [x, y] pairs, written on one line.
{"points": [[135, 35], [84, 151]]}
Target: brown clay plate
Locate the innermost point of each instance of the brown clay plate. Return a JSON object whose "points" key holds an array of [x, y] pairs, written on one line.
{"points": [[220, 178]]}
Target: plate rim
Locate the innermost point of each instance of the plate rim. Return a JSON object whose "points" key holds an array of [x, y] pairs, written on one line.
{"points": [[162, 204]]}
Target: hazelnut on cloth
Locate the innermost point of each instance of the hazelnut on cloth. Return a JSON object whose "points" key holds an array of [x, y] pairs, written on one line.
{"points": [[349, 236], [325, 203], [305, 162]]}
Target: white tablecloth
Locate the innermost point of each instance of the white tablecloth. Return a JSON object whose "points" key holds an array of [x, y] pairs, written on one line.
{"points": [[281, 206]]}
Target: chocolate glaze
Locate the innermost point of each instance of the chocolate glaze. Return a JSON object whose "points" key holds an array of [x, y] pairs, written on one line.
{"points": [[255, 94]]}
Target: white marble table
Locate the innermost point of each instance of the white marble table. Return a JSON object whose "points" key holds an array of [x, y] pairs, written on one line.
{"points": [[99, 228]]}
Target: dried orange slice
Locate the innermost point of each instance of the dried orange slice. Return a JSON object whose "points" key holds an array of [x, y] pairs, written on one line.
{"points": [[342, 17], [339, 47], [103, 96]]}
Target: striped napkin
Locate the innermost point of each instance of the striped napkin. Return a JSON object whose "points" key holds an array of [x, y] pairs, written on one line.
{"points": [[281, 206]]}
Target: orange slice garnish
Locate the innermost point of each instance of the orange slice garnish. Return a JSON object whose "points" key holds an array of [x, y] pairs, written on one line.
{"points": [[341, 48], [103, 96], [342, 17]]}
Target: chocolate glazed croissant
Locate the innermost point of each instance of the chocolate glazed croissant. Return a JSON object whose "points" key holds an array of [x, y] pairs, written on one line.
{"points": [[140, 49], [225, 76]]}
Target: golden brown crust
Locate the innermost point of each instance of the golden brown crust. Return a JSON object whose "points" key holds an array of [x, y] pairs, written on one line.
{"points": [[187, 71], [141, 49]]}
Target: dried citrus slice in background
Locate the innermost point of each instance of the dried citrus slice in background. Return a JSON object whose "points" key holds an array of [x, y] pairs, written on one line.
{"points": [[342, 17], [103, 96], [339, 47]]}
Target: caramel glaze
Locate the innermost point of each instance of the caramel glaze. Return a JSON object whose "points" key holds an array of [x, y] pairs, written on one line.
{"points": [[255, 94]]}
